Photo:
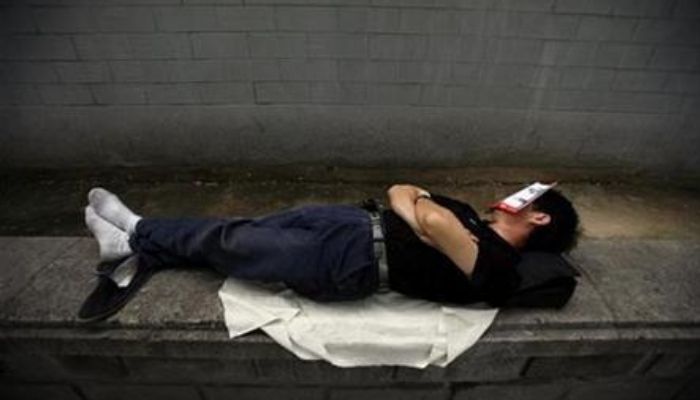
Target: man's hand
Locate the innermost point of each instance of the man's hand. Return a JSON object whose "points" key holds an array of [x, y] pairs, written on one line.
{"points": [[402, 200], [435, 225]]}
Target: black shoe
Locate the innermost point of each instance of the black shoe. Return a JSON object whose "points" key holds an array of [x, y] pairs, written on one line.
{"points": [[107, 267], [108, 298]]}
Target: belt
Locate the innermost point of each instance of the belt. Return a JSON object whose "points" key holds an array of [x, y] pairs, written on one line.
{"points": [[379, 248]]}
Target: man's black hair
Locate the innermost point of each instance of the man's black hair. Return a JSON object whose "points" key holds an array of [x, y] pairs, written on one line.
{"points": [[562, 232]]}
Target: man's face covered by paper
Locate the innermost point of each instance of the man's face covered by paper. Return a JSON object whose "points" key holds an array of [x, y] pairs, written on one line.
{"points": [[525, 218]]}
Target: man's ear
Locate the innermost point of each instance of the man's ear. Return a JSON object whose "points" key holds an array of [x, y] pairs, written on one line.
{"points": [[539, 218]]}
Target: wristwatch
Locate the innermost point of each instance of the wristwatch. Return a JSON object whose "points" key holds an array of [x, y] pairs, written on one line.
{"points": [[423, 194]]}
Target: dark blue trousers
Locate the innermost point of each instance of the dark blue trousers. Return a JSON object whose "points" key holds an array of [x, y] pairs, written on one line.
{"points": [[324, 252]]}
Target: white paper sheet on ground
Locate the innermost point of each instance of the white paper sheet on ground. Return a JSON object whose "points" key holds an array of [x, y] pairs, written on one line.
{"points": [[383, 329]]}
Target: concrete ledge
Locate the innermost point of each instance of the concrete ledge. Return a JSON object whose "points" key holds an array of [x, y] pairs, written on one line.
{"points": [[633, 326]]}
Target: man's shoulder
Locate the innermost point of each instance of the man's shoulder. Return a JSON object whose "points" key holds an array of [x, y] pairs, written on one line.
{"points": [[448, 201], [463, 210], [471, 220]]}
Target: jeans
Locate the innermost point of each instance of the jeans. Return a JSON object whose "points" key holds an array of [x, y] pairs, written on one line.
{"points": [[323, 252]]}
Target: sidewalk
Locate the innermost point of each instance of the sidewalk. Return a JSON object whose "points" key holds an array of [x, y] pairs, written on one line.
{"points": [[50, 203], [631, 233], [636, 309]]}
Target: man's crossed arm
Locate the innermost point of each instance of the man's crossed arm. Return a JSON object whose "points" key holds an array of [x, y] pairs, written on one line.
{"points": [[435, 225]]}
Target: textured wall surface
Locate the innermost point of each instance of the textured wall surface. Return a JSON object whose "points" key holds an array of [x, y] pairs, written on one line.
{"points": [[584, 83]]}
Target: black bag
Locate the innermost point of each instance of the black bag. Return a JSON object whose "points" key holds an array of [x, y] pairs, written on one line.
{"points": [[548, 280]]}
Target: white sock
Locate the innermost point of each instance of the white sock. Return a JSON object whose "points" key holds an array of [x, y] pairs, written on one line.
{"points": [[108, 206], [113, 242]]}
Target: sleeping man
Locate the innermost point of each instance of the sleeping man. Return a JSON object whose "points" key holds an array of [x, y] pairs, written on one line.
{"points": [[422, 245]]}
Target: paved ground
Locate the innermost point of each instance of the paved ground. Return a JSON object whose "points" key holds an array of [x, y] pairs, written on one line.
{"points": [[638, 255], [631, 329], [51, 203]]}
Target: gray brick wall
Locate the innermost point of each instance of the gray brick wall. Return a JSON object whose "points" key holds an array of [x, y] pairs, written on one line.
{"points": [[540, 57]]}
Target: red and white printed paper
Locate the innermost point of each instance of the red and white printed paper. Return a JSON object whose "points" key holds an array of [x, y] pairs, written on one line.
{"points": [[522, 198]]}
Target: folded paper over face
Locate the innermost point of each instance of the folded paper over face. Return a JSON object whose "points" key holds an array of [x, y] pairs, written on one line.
{"points": [[522, 198]]}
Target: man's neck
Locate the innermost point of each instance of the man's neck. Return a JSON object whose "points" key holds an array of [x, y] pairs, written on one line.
{"points": [[513, 236]]}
